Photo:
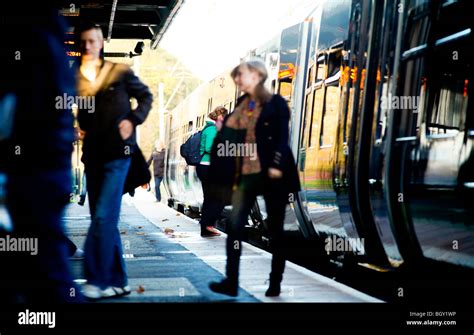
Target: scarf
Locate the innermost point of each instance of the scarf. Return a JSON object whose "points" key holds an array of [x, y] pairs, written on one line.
{"points": [[245, 117]]}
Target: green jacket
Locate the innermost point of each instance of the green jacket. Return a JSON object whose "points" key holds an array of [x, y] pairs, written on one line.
{"points": [[207, 138]]}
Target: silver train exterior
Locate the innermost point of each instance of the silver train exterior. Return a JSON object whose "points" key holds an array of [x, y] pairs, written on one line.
{"points": [[381, 124]]}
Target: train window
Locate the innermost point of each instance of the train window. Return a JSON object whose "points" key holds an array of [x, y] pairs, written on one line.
{"points": [[331, 100], [334, 67], [447, 65], [309, 115], [320, 70], [310, 79], [317, 113], [329, 118], [230, 107], [285, 89], [347, 122], [449, 108], [414, 68], [190, 126], [209, 105]]}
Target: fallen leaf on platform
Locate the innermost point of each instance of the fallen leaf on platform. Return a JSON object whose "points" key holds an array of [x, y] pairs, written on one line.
{"points": [[169, 231], [164, 220], [140, 289]]}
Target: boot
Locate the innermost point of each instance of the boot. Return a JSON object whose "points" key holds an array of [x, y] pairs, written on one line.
{"points": [[274, 289], [225, 286]]}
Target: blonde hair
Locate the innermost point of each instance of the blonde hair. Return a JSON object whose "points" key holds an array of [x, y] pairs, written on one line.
{"points": [[256, 65]]}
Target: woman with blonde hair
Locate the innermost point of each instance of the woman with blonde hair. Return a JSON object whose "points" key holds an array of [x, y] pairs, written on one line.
{"points": [[265, 167]]}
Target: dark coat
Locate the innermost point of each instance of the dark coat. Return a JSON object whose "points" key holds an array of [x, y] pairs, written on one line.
{"points": [[112, 105], [138, 173], [158, 159], [272, 134], [42, 134]]}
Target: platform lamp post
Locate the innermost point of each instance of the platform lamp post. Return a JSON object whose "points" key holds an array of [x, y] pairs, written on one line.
{"points": [[161, 111]]}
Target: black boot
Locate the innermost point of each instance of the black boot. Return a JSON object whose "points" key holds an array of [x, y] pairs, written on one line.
{"points": [[225, 286], [274, 289], [82, 200]]}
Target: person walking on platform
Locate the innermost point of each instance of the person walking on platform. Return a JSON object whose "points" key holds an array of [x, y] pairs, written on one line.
{"points": [[109, 143], [211, 208], [264, 166], [36, 156], [158, 159]]}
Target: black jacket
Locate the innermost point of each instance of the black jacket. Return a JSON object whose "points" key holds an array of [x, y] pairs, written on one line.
{"points": [[112, 105], [272, 133], [42, 134], [158, 159]]}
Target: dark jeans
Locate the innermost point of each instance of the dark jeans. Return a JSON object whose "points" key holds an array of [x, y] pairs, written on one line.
{"points": [[36, 203], [84, 186], [70, 247], [211, 207], [103, 257], [242, 201], [158, 181]]}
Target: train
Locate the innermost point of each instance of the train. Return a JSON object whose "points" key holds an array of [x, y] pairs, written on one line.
{"points": [[381, 128]]}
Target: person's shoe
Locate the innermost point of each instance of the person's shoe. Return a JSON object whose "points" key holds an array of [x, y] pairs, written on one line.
{"points": [[225, 287], [112, 291], [82, 200], [94, 292], [273, 290], [78, 255], [91, 292], [209, 232]]}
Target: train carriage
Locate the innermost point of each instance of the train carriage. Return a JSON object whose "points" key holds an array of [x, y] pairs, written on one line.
{"points": [[381, 127]]}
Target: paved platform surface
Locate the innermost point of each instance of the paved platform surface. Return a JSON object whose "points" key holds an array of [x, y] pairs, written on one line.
{"points": [[168, 261]]}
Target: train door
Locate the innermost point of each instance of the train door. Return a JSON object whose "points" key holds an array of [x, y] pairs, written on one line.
{"points": [[362, 131], [284, 57], [350, 91], [376, 180], [306, 55], [358, 61], [442, 160], [321, 117]]}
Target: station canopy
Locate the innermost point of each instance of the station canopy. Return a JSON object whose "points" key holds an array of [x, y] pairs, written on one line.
{"points": [[125, 19]]}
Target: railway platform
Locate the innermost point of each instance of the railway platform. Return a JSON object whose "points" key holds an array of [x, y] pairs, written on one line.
{"points": [[168, 261]]}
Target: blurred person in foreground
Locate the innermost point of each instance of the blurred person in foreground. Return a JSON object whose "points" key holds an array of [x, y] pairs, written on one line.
{"points": [[36, 156]]}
